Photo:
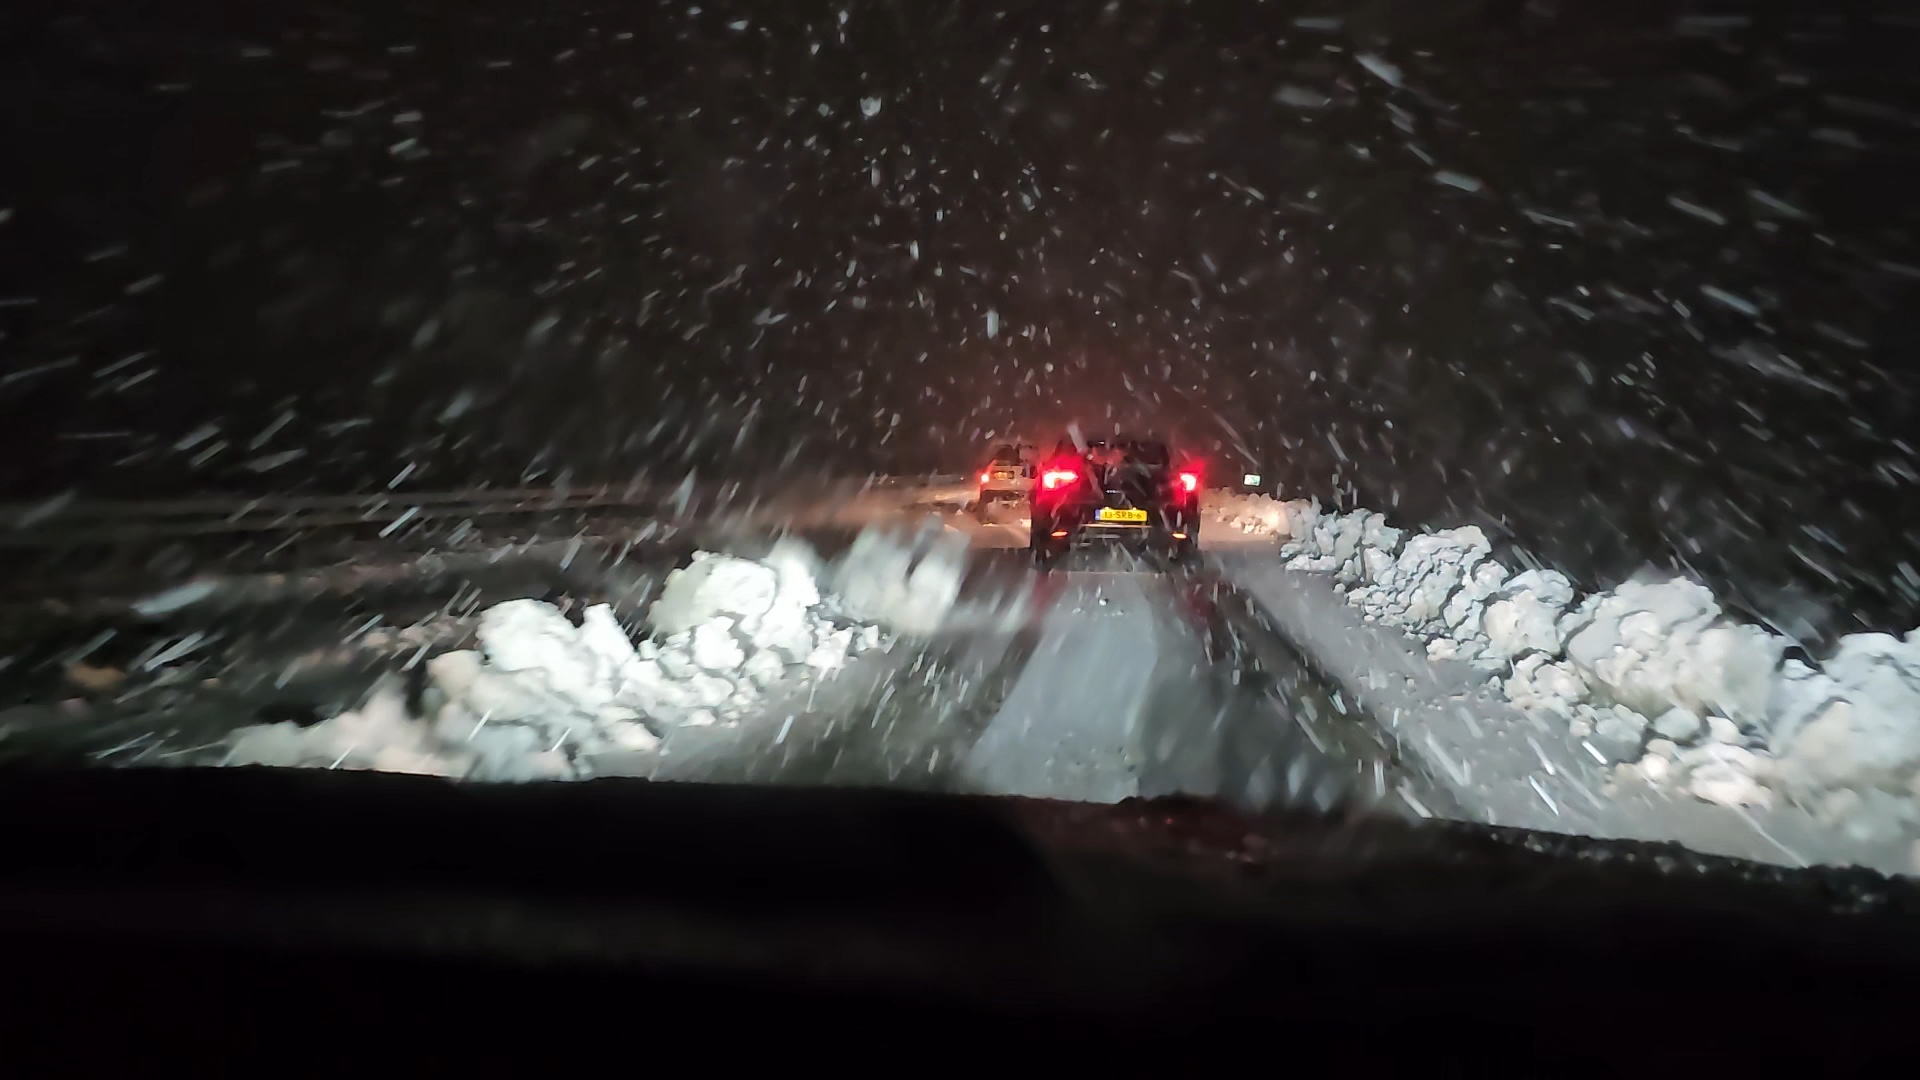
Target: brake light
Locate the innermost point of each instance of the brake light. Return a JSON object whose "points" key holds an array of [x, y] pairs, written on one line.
{"points": [[986, 475], [1189, 482], [1055, 479]]}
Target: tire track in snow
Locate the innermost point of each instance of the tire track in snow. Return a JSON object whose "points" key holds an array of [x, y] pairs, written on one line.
{"points": [[1069, 728]]}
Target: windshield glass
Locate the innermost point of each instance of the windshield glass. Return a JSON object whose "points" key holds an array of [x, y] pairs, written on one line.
{"points": [[1494, 412], [1144, 452]]}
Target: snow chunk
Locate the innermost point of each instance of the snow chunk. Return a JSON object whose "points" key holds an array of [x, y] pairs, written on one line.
{"points": [[714, 648], [1301, 516], [1655, 768], [535, 642], [1524, 616], [1413, 593], [1678, 724], [711, 586], [1465, 608], [1540, 685], [379, 735], [1728, 775], [831, 653], [1253, 514], [1652, 646], [1866, 729], [1617, 732]]}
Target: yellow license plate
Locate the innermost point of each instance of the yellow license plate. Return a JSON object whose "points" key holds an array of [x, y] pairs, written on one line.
{"points": [[1129, 517]]}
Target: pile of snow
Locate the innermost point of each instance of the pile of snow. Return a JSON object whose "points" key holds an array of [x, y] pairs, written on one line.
{"points": [[542, 697], [1856, 722], [1253, 515], [908, 583], [1651, 676], [379, 735]]}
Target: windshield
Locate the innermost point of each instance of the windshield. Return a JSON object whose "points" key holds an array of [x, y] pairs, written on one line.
{"points": [[1516, 400], [1118, 451]]}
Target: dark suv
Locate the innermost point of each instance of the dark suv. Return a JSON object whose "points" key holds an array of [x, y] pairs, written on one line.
{"points": [[1124, 491]]}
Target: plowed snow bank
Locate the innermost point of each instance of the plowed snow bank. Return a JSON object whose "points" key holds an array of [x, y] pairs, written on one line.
{"points": [[1252, 515], [542, 697], [1652, 676]]}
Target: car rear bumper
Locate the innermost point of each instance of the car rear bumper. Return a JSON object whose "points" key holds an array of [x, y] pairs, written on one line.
{"points": [[1079, 526]]}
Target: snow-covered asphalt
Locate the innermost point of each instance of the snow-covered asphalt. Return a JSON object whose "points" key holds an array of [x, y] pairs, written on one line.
{"points": [[1070, 726], [1516, 750], [1110, 683], [908, 641], [921, 650]]}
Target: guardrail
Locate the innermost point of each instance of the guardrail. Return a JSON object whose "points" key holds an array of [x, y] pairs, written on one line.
{"points": [[51, 524], [97, 523]]}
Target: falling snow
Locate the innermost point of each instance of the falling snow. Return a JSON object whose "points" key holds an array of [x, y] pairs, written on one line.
{"points": [[1620, 297]]}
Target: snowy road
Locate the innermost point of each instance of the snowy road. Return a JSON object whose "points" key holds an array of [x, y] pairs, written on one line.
{"points": [[1071, 726], [1111, 684], [1235, 678], [1102, 682], [1468, 752], [1509, 768], [1115, 680]]}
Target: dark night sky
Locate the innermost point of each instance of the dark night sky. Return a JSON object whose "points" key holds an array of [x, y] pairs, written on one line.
{"points": [[1622, 287]]}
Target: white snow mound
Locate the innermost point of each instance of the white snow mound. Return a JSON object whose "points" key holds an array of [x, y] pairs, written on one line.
{"points": [[1251, 514], [1735, 721], [542, 697], [906, 583], [1654, 646], [378, 735], [1858, 722]]}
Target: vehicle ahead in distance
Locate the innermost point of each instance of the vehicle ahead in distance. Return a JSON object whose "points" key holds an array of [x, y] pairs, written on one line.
{"points": [[1008, 475], [1251, 482], [1124, 490]]}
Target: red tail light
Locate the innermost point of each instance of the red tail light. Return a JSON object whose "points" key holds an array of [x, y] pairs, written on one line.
{"points": [[1055, 479], [1189, 482], [986, 476]]}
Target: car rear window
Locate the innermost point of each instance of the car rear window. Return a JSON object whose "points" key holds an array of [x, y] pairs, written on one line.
{"points": [[1006, 455], [1149, 452]]}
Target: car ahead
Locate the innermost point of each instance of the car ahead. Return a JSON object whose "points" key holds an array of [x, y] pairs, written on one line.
{"points": [[1008, 475], [1124, 491]]}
